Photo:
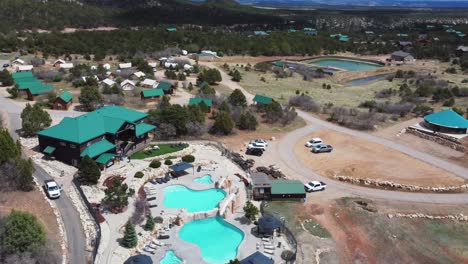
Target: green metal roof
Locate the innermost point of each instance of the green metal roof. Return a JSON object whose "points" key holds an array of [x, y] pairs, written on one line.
{"points": [[40, 89], [447, 118], [279, 63], [287, 187], [97, 148], [49, 150], [153, 92], [66, 96], [105, 158], [204, 54], [143, 128], [197, 101], [171, 29], [262, 99], [19, 75], [164, 86], [108, 119]]}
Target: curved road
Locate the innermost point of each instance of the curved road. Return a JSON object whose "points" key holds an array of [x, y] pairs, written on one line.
{"points": [[287, 160], [70, 216]]}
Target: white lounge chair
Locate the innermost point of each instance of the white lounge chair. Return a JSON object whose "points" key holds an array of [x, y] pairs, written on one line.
{"points": [[149, 249], [265, 239], [271, 252], [267, 244], [157, 242], [152, 245], [268, 247]]}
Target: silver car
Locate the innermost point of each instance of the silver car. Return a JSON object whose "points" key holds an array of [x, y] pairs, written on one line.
{"points": [[322, 148]]}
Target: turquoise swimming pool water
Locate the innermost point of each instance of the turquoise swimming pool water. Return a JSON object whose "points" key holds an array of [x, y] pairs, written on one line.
{"points": [[170, 258], [205, 179], [348, 65], [218, 240], [179, 196]]}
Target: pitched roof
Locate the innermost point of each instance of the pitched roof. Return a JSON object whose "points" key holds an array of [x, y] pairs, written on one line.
{"points": [[106, 120], [197, 101], [262, 99], [40, 89], [149, 82], [447, 118], [152, 92], [463, 48], [287, 187], [164, 86], [25, 67], [66, 96], [257, 258], [143, 128], [125, 82], [19, 75], [108, 81], [105, 158], [139, 74], [97, 148], [125, 65], [401, 54]]}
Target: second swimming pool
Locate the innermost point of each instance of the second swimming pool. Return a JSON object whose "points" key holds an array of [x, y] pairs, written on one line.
{"points": [[179, 196]]}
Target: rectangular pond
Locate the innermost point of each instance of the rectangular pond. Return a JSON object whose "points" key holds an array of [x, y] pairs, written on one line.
{"points": [[348, 65]]}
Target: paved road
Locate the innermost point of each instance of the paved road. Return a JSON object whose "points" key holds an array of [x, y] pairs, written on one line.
{"points": [[285, 157], [71, 219]]}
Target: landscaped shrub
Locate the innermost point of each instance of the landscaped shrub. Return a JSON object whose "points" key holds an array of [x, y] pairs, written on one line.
{"points": [[168, 162], [188, 158], [139, 174], [155, 164]]}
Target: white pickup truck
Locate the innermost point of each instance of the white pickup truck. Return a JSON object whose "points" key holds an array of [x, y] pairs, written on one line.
{"points": [[315, 186], [52, 189]]}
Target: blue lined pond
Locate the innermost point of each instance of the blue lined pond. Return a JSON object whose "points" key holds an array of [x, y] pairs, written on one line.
{"points": [[348, 65]]}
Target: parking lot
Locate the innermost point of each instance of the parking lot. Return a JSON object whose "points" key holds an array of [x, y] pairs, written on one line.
{"points": [[362, 159]]}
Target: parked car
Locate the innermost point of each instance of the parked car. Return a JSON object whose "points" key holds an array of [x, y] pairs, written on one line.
{"points": [[254, 151], [6, 65], [322, 148], [259, 142], [315, 186], [52, 189], [256, 146], [313, 142]]}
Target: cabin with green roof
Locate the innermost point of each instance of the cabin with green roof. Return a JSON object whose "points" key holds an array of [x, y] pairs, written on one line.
{"points": [[63, 101], [102, 134], [171, 29], [151, 95], [167, 87], [287, 190], [200, 101], [446, 121], [262, 99], [30, 86]]}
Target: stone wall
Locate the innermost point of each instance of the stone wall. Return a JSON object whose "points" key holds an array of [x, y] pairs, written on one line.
{"points": [[458, 217], [439, 139], [402, 187]]}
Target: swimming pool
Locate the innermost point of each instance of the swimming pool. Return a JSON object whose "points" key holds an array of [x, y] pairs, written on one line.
{"points": [[179, 196], [218, 240], [205, 179], [366, 80], [348, 65], [170, 258]]}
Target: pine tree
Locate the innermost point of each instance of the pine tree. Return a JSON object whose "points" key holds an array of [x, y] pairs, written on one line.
{"points": [[250, 211], [223, 124], [237, 98], [88, 171], [34, 119], [130, 239], [9, 150], [149, 226]]}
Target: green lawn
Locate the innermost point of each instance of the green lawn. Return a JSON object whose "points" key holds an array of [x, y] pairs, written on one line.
{"points": [[163, 149]]}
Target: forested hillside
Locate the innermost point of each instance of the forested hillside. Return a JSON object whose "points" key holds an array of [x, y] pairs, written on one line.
{"points": [[56, 14]]}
